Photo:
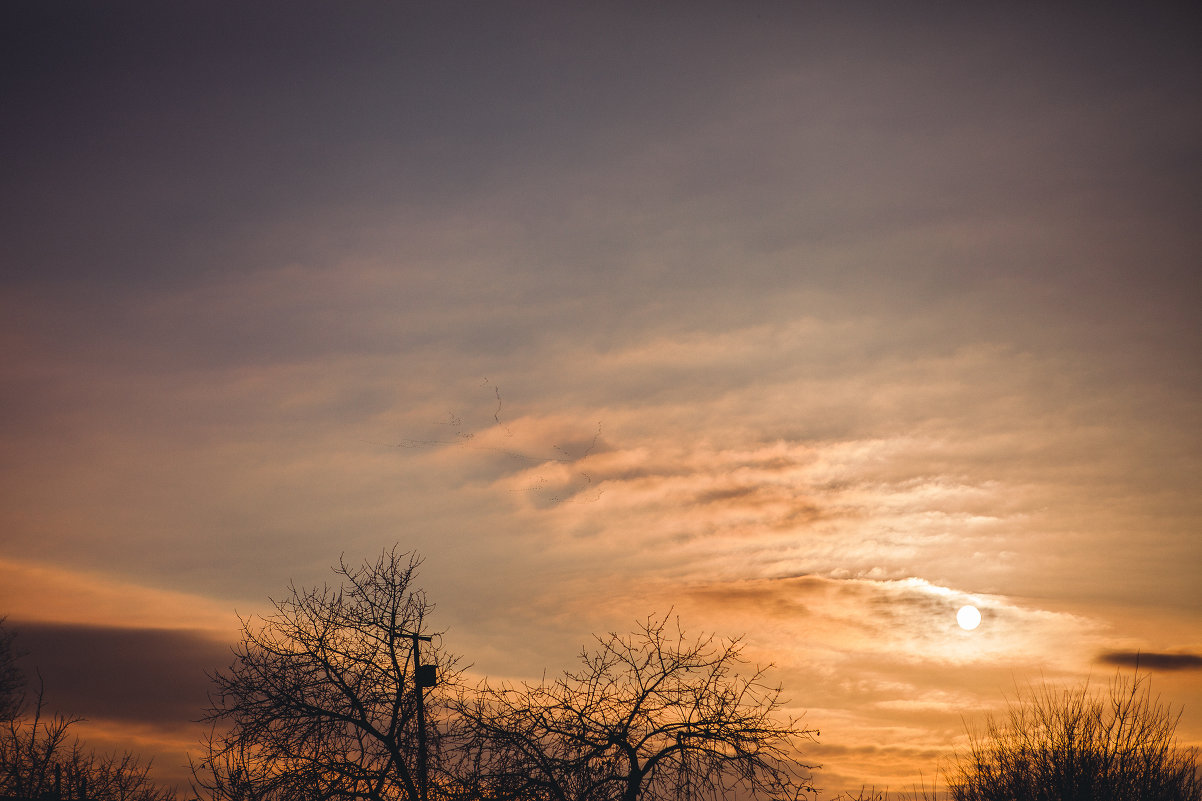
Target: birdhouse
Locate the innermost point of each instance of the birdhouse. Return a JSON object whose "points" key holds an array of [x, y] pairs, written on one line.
{"points": [[426, 676]]}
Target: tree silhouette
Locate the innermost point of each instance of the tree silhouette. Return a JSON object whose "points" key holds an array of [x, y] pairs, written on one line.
{"points": [[1075, 745], [320, 701], [40, 758], [654, 715]]}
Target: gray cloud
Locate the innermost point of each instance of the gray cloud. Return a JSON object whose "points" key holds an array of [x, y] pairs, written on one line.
{"points": [[1152, 660], [154, 676]]}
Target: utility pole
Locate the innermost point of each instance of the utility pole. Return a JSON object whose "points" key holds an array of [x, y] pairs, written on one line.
{"points": [[423, 676]]}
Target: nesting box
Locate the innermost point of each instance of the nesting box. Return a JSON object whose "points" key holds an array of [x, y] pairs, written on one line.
{"points": [[427, 676]]}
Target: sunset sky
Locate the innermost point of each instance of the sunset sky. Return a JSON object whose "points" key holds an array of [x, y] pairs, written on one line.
{"points": [[808, 322]]}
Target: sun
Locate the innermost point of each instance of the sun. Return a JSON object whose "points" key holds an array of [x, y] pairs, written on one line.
{"points": [[969, 617]]}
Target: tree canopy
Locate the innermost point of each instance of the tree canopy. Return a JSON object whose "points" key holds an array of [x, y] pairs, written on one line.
{"points": [[319, 701], [652, 715], [325, 699]]}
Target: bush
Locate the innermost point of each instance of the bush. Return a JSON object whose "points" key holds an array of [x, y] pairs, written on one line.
{"points": [[1074, 744]]}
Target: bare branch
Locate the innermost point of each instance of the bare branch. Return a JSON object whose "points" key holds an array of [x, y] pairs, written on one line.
{"points": [[320, 698], [648, 716]]}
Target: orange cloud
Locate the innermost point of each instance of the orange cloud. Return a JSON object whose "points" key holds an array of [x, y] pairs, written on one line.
{"points": [[40, 592]]}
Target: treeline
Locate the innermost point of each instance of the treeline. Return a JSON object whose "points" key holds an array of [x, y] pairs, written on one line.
{"points": [[343, 692]]}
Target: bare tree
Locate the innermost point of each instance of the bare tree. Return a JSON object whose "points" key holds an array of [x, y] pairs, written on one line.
{"points": [[320, 701], [237, 775], [654, 715], [1075, 744], [39, 756]]}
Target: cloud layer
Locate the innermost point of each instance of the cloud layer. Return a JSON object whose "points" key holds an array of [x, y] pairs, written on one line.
{"points": [[809, 324]]}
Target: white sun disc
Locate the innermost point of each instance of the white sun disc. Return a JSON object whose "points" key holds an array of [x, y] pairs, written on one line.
{"points": [[969, 617]]}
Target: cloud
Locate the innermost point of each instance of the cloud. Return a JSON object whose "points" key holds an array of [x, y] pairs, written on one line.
{"points": [[45, 594], [1152, 660], [139, 689], [133, 675]]}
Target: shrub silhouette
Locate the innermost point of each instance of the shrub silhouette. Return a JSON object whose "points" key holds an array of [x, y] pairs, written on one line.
{"points": [[1075, 744]]}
